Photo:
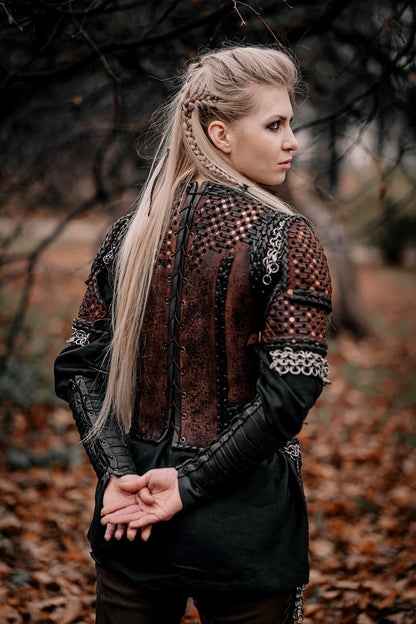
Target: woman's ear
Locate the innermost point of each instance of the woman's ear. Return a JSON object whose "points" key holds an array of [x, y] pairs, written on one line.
{"points": [[220, 135]]}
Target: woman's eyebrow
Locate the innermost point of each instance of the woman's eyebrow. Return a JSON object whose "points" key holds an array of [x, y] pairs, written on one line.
{"points": [[282, 117]]}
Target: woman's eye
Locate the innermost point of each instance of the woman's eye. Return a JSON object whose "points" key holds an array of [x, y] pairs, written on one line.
{"points": [[274, 126]]}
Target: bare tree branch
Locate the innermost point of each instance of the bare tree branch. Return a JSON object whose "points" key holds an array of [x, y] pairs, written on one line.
{"points": [[119, 46]]}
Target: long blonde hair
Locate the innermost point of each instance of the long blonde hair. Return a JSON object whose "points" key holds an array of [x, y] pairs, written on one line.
{"points": [[217, 85]]}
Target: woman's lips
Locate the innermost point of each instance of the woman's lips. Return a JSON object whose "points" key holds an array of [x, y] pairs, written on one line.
{"points": [[285, 164]]}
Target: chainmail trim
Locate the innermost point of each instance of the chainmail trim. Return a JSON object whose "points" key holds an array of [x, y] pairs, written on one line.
{"points": [[272, 259], [298, 613], [109, 257], [79, 337], [292, 448], [111, 244], [299, 363]]}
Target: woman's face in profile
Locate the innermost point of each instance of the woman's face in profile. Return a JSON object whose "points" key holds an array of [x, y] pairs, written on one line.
{"points": [[260, 144]]}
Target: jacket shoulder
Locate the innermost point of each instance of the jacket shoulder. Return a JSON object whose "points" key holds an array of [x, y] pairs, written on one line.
{"points": [[111, 244], [268, 243]]}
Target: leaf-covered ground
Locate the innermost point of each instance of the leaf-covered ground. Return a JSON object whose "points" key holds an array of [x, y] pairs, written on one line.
{"points": [[359, 456]]}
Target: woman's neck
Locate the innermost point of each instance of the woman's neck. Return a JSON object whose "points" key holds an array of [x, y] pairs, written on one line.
{"points": [[200, 179]]}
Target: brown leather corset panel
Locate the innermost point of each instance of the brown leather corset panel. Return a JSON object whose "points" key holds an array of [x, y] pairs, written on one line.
{"points": [[232, 273], [196, 362]]}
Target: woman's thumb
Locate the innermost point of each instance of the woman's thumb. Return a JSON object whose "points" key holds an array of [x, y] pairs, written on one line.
{"points": [[145, 496], [132, 483]]}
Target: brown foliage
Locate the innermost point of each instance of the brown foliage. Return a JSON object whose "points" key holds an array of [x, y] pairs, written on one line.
{"points": [[359, 472]]}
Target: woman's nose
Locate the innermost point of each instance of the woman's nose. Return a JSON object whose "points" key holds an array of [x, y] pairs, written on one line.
{"points": [[290, 142]]}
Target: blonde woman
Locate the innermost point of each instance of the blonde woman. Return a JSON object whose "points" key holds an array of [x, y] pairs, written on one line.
{"points": [[198, 350]]}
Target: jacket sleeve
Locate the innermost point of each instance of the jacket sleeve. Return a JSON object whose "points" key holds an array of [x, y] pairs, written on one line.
{"points": [[293, 283], [80, 375]]}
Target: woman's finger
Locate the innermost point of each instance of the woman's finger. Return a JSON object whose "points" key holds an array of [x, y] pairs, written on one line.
{"points": [[132, 483], [145, 496], [145, 532], [109, 532], [128, 501], [144, 521], [120, 531], [123, 516], [131, 533]]}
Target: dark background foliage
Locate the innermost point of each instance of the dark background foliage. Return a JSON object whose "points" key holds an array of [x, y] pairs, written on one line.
{"points": [[80, 79]]}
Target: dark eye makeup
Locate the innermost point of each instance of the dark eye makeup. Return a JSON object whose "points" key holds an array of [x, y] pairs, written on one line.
{"points": [[274, 126]]}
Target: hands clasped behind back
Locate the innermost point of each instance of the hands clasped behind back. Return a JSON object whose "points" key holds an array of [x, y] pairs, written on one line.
{"points": [[137, 502]]}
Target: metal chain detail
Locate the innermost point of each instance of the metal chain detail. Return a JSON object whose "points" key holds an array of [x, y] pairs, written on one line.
{"points": [[299, 362], [109, 257], [298, 613], [79, 337], [272, 259], [292, 448]]}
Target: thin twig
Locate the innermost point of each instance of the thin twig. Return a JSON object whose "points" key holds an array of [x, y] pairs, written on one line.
{"points": [[243, 23], [258, 14], [95, 47], [10, 17]]}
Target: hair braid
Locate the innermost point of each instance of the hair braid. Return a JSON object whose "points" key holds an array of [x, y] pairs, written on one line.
{"points": [[202, 103]]}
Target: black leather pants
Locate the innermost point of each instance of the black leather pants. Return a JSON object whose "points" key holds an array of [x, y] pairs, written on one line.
{"points": [[119, 602]]}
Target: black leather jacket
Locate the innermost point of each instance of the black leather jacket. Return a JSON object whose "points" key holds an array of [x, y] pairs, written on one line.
{"points": [[233, 350]]}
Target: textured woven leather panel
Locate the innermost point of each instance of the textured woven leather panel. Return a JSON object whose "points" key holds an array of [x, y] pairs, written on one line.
{"points": [[195, 365], [93, 307], [298, 314]]}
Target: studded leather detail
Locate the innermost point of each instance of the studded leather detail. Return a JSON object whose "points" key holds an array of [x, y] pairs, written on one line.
{"points": [[222, 222], [198, 364], [302, 300], [93, 306]]}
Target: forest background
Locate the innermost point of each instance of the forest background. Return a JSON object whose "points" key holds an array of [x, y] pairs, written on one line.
{"points": [[79, 81]]}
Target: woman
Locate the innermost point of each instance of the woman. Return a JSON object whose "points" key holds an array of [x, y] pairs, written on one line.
{"points": [[196, 355]]}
